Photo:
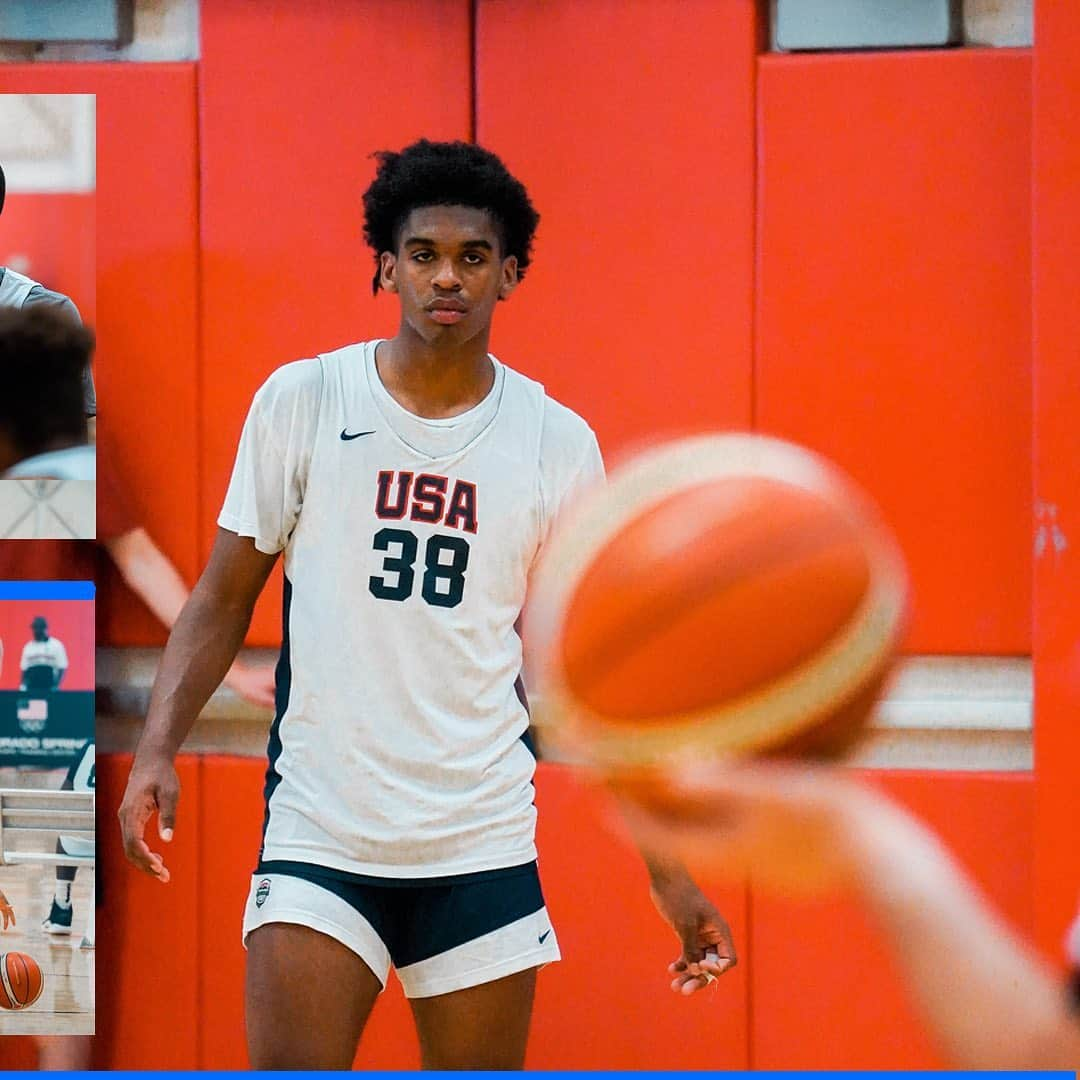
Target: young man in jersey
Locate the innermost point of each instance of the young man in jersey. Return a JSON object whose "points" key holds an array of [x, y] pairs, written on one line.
{"points": [[80, 777], [44, 658], [410, 483]]}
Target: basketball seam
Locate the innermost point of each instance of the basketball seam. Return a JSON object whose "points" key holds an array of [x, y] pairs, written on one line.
{"points": [[6, 982], [29, 979], [22, 975]]}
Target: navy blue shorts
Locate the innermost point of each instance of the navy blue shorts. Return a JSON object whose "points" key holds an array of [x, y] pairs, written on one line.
{"points": [[440, 934]]}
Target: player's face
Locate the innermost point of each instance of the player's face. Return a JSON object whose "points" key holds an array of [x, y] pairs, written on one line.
{"points": [[449, 273]]}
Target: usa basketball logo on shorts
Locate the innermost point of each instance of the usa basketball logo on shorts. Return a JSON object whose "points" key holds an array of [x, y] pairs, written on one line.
{"points": [[262, 892]]}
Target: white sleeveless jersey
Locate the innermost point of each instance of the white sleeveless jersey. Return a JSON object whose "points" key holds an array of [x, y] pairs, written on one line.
{"points": [[398, 749]]}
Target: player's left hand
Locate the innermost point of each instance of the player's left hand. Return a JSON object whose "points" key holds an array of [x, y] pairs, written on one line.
{"points": [[7, 912], [707, 948]]}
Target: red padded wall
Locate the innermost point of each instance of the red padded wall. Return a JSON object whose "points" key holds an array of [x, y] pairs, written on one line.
{"points": [[1057, 470], [148, 934], [292, 105], [894, 310], [827, 993], [608, 1004], [634, 131], [232, 792], [145, 367], [50, 237]]}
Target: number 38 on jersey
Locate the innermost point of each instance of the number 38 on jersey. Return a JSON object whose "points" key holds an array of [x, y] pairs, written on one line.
{"points": [[430, 499]]}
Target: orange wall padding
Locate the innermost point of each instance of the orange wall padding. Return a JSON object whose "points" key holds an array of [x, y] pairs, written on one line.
{"points": [[893, 316], [148, 1010], [292, 105], [71, 622], [633, 130], [813, 987], [147, 289], [1057, 471], [890, 272], [50, 237]]}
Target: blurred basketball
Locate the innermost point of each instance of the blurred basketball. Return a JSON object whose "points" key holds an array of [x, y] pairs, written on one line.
{"points": [[729, 594], [20, 980]]}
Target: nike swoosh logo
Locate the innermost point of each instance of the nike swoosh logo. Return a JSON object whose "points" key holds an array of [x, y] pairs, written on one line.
{"points": [[543, 936], [346, 437]]}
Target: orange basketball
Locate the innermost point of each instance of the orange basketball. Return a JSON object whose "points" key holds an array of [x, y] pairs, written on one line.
{"points": [[20, 980], [722, 593]]}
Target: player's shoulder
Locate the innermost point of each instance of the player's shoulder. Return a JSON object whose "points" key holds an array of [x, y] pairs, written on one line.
{"points": [[346, 354], [295, 381], [561, 425], [565, 428]]}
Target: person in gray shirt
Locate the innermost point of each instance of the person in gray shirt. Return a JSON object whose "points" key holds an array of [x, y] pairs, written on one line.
{"points": [[17, 290]]}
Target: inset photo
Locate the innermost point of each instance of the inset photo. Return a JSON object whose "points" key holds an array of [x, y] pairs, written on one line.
{"points": [[47, 782], [48, 402]]}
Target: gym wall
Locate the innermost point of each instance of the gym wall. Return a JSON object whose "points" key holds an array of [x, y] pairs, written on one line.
{"points": [[832, 248]]}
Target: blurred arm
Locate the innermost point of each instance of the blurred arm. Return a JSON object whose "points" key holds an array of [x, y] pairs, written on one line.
{"points": [[155, 580], [206, 636], [990, 998]]}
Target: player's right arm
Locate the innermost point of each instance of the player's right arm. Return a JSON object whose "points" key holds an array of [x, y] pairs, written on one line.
{"points": [[260, 512], [203, 644]]}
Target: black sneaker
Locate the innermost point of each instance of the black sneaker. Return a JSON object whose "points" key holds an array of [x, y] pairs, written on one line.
{"points": [[59, 920]]}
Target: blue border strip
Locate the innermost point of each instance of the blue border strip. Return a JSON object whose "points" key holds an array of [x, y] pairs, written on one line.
{"points": [[622, 1073], [46, 590]]}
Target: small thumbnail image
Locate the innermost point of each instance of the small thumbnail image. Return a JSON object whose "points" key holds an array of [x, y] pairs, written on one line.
{"points": [[48, 402], [47, 781]]}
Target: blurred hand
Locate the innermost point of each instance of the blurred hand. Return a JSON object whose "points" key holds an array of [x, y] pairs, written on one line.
{"points": [[786, 826], [152, 786], [7, 912], [252, 683], [707, 948]]}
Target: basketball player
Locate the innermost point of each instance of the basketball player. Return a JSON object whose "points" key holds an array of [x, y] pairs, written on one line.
{"points": [[44, 658], [410, 483], [989, 998], [19, 291], [80, 777]]}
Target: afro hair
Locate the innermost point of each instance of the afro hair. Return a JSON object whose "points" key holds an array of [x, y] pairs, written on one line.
{"points": [[446, 174]]}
